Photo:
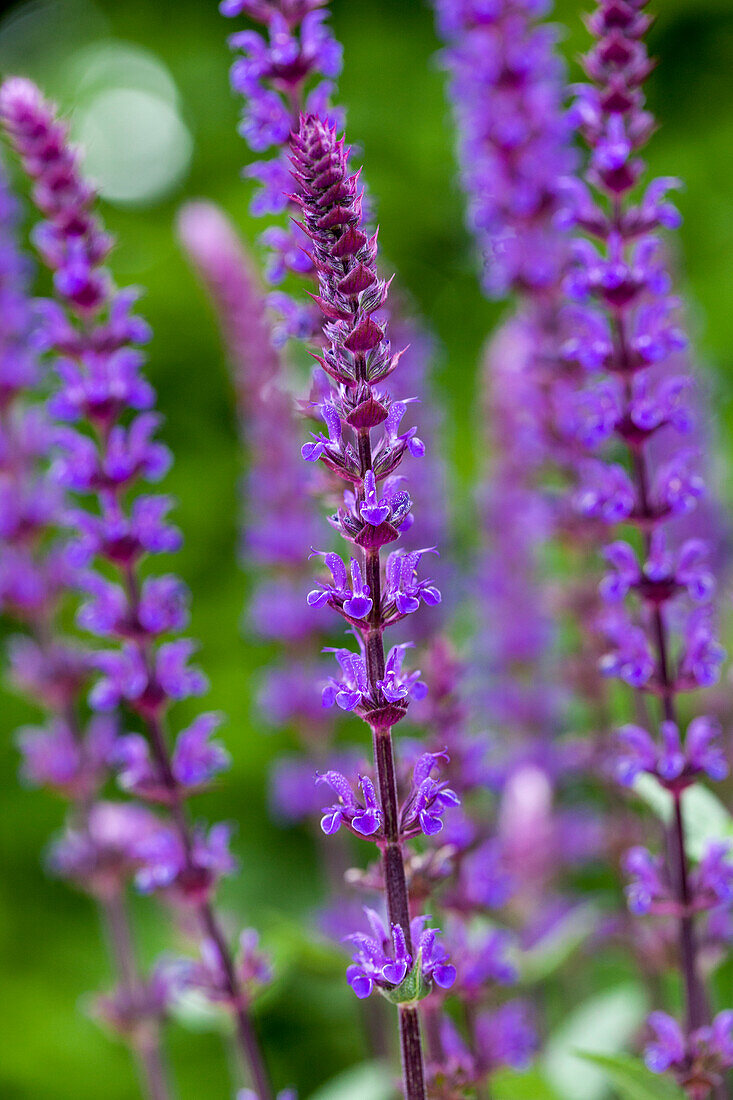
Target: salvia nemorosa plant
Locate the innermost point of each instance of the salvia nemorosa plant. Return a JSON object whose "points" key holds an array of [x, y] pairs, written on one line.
{"points": [[405, 957], [104, 447], [470, 828], [634, 410], [506, 84], [285, 65], [68, 753]]}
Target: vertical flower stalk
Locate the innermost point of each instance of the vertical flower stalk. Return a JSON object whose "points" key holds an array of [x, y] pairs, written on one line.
{"points": [[61, 755], [357, 358], [506, 88], [106, 448], [659, 592], [288, 68]]}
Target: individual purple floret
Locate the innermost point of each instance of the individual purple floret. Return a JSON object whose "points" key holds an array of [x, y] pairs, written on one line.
{"points": [[428, 799], [698, 1060], [383, 961], [624, 333], [676, 764], [208, 974], [110, 448], [361, 814]]}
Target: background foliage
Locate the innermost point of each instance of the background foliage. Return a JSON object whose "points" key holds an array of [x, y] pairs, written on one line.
{"points": [[50, 951]]}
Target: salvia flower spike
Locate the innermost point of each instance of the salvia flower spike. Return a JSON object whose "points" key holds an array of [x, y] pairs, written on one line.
{"points": [[106, 448], [363, 444], [659, 619], [64, 754]]}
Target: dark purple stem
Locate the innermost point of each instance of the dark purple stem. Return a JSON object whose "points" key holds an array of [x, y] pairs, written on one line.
{"points": [[153, 1074], [393, 864], [696, 1008], [247, 1040]]}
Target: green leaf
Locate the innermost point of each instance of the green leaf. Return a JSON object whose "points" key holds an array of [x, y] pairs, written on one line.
{"points": [[369, 1081], [509, 1084], [604, 1023], [632, 1079], [705, 817], [412, 988], [196, 1013]]}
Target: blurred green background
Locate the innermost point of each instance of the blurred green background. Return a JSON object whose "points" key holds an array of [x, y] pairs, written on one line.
{"points": [[147, 86]]}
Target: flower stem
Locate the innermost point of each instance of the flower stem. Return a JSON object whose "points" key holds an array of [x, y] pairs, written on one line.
{"points": [[247, 1041], [152, 1071], [393, 865], [696, 1008]]}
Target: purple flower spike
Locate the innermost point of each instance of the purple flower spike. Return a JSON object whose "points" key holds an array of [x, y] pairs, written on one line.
{"points": [[90, 335], [287, 69], [363, 445], [38, 572]]}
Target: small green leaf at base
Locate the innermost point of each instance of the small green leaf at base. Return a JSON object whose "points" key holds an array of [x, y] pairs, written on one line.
{"points": [[412, 988], [631, 1079]]}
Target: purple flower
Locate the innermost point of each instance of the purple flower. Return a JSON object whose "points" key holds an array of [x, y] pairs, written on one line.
{"points": [[103, 854], [354, 692], [402, 585], [383, 959], [669, 1047], [675, 765], [130, 1010], [506, 1037], [103, 458], [660, 576], [207, 975], [348, 594], [125, 676], [279, 74], [55, 757], [699, 1060], [428, 800], [164, 864], [196, 759], [363, 818], [194, 763], [506, 86], [648, 888], [631, 658], [481, 956]]}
